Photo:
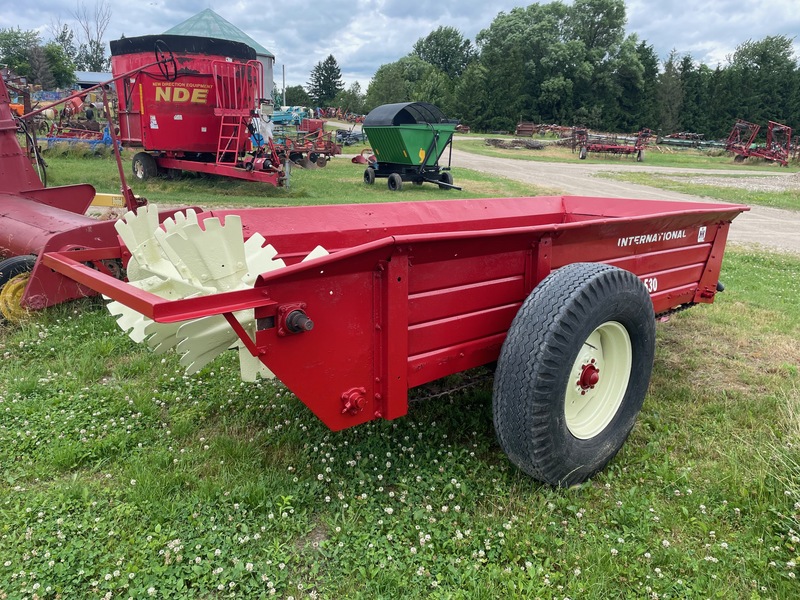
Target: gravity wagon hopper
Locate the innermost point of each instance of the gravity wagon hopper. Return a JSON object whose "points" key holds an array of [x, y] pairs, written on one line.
{"points": [[350, 306], [197, 115], [408, 140]]}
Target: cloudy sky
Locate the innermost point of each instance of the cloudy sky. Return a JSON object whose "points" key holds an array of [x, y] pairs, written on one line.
{"points": [[364, 34]]}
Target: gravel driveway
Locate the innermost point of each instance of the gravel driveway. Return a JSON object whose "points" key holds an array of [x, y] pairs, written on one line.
{"points": [[770, 228]]}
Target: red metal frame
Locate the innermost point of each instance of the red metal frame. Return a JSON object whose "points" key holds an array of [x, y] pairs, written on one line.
{"points": [[201, 121], [609, 145], [35, 220], [778, 147], [412, 292]]}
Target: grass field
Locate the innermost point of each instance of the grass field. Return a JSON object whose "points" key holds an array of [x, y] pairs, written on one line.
{"points": [[122, 477], [340, 181], [787, 199]]}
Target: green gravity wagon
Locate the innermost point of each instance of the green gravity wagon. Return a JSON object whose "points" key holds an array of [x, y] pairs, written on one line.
{"points": [[408, 140]]}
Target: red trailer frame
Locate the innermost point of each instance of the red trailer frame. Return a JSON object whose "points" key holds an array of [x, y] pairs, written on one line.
{"points": [[412, 292]]}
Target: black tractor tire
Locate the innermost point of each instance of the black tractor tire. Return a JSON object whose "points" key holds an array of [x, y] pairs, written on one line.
{"points": [[573, 372], [395, 182], [369, 175], [144, 166], [447, 178]]}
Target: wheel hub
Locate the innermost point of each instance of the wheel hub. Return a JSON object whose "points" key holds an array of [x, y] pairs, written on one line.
{"points": [[591, 401], [11, 298], [590, 377]]}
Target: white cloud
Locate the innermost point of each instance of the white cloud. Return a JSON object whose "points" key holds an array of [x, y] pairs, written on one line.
{"points": [[364, 34]]}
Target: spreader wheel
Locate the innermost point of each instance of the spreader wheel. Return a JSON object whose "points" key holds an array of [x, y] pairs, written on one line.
{"points": [[14, 275], [640, 156], [582, 153], [144, 166], [573, 372], [369, 175], [395, 182]]}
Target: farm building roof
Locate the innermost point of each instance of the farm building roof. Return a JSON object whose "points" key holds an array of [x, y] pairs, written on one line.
{"points": [[207, 23]]}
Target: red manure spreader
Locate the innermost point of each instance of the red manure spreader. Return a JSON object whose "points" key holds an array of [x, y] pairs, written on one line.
{"points": [[350, 306]]}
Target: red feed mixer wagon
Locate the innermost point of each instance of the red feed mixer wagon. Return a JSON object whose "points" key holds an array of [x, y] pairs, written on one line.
{"points": [[196, 111]]}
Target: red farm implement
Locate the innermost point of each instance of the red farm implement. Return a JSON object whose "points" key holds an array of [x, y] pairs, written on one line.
{"points": [[308, 148], [35, 220], [587, 142], [778, 147], [196, 112], [562, 291], [353, 305]]}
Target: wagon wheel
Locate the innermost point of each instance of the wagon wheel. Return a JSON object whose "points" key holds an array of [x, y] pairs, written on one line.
{"points": [[582, 153], [369, 176], [166, 61], [573, 372], [640, 156], [144, 166], [395, 182], [14, 275], [447, 178]]}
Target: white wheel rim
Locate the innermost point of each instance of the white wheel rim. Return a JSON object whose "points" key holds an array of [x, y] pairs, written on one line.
{"points": [[598, 380]]}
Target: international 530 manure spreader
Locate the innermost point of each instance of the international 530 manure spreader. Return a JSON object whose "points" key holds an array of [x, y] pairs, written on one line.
{"points": [[350, 306]]}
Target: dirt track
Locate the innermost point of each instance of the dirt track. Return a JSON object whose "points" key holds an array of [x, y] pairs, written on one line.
{"points": [[771, 228]]}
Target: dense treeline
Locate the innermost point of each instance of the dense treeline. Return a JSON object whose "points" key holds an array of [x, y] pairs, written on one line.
{"points": [[575, 65]]}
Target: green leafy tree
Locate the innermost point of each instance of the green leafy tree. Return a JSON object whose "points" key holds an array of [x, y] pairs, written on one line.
{"points": [[763, 74], [695, 81], [470, 97], [400, 81], [61, 66], [326, 81], [40, 73], [646, 108], [15, 49], [63, 35], [446, 49], [670, 95], [296, 95], [627, 87], [351, 99]]}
